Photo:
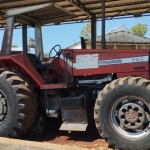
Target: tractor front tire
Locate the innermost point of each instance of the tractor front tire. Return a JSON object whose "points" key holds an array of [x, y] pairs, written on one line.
{"points": [[122, 113], [17, 105]]}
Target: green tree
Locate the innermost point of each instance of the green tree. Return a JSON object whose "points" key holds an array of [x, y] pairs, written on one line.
{"points": [[139, 29], [14, 46], [86, 31], [46, 55]]}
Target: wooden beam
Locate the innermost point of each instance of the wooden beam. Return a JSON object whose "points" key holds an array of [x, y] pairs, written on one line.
{"points": [[23, 2], [28, 18], [27, 9]]}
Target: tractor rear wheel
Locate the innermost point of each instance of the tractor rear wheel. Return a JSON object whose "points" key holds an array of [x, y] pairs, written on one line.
{"points": [[17, 105], [122, 113]]}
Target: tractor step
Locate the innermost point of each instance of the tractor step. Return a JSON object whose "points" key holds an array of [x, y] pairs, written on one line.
{"points": [[74, 126]]}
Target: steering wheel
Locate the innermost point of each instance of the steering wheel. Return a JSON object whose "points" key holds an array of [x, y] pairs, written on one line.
{"points": [[56, 49]]}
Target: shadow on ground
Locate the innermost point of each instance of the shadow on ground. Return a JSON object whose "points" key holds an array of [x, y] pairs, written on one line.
{"points": [[88, 139]]}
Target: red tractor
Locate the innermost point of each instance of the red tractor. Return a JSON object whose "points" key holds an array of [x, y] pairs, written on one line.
{"points": [[115, 81]]}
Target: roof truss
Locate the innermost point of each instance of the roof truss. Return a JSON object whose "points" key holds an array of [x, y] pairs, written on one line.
{"points": [[82, 9]]}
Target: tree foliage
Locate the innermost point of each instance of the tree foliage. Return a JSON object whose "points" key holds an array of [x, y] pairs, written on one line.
{"points": [[14, 46], [86, 31], [139, 29]]}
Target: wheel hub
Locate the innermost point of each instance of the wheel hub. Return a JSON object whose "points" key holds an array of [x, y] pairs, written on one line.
{"points": [[131, 116]]}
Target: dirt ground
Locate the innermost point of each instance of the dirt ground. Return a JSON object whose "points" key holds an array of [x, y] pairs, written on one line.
{"points": [[89, 139]]}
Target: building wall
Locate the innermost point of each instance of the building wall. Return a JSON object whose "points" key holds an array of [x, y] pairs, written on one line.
{"points": [[123, 40], [119, 40], [121, 46]]}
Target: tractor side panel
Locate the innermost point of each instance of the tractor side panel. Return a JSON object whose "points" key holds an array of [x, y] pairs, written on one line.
{"points": [[22, 64], [121, 62]]}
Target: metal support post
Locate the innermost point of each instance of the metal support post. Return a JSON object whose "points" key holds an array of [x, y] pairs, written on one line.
{"points": [[24, 38], [7, 38], [103, 40], [93, 31], [38, 41]]}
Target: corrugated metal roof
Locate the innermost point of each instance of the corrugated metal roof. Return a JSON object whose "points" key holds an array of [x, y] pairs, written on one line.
{"points": [[122, 36], [82, 9], [119, 28]]}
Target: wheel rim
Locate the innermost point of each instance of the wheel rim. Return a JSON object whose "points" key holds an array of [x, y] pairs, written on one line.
{"points": [[3, 107], [129, 116]]}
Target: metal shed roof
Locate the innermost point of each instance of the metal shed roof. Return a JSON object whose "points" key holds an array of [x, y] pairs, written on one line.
{"points": [[76, 10]]}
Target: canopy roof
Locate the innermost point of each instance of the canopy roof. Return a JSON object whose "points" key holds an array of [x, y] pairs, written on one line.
{"points": [[73, 10]]}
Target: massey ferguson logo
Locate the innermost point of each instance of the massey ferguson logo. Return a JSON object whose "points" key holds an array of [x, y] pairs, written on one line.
{"points": [[123, 60], [109, 62]]}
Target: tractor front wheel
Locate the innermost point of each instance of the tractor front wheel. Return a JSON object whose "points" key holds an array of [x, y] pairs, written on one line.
{"points": [[17, 105], [122, 113]]}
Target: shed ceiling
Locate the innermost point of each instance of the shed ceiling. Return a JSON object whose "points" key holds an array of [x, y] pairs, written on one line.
{"points": [[74, 10]]}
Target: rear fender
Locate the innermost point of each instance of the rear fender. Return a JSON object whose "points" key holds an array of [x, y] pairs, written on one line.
{"points": [[22, 64]]}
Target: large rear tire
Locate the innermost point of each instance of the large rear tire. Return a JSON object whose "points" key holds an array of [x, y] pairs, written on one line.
{"points": [[122, 112], [17, 105]]}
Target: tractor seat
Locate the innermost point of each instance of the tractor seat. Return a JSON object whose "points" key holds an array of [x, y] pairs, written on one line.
{"points": [[37, 64]]}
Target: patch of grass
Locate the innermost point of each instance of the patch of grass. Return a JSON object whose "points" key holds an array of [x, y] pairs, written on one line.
{"points": [[37, 130]]}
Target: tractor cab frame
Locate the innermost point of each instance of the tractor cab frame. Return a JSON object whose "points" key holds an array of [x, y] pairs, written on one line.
{"points": [[13, 16]]}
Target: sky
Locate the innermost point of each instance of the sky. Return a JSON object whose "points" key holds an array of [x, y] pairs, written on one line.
{"points": [[67, 35]]}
